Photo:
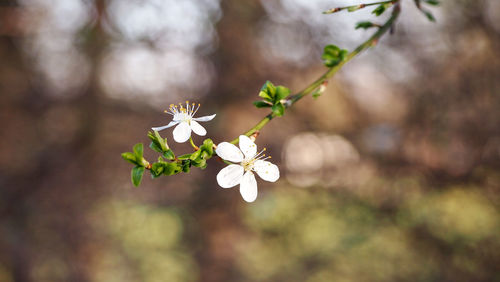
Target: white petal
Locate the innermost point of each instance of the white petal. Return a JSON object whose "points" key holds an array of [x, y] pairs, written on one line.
{"points": [[197, 128], [170, 124], [248, 187], [205, 118], [267, 170], [229, 152], [247, 146], [182, 132], [230, 176]]}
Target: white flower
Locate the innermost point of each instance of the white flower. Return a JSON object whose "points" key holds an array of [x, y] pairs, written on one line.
{"points": [[184, 117], [242, 173]]}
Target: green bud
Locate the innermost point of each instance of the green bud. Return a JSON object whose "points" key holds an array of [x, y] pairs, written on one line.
{"points": [[138, 150], [130, 157], [278, 110], [364, 25], [136, 175], [262, 104]]}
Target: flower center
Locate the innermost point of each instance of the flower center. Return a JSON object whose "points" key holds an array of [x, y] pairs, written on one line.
{"points": [[183, 113], [248, 164]]}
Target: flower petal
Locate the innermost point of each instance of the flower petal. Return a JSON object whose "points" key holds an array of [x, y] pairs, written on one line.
{"points": [[205, 118], [197, 128], [230, 176], [248, 187], [247, 146], [170, 124], [229, 152], [267, 170], [182, 132]]}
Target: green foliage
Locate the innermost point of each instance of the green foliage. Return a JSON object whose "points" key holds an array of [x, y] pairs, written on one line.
{"points": [[365, 25], [138, 150], [333, 55], [137, 173], [262, 104], [167, 163], [426, 12], [135, 157], [432, 2], [130, 157], [429, 15], [381, 9], [273, 98], [160, 145]]}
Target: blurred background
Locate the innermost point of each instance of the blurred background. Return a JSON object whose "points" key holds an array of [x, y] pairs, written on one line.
{"points": [[391, 175]]}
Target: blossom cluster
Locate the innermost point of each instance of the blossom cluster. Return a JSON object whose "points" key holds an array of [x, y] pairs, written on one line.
{"points": [[243, 162]]}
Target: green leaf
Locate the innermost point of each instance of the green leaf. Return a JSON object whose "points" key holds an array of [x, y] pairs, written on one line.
{"points": [[186, 165], [262, 104], [364, 25], [169, 154], [278, 110], [380, 9], [171, 168], [157, 169], [155, 147], [158, 143], [201, 163], [268, 91], [333, 55], [281, 93], [432, 2], [207, 148], [184, 157], [137, 173], [195, 156], [138, 150], [429, 15], [129, 157]]}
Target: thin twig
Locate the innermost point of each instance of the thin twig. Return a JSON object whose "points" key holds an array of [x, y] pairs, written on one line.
{"points": [[326, 76], [357, 7]]}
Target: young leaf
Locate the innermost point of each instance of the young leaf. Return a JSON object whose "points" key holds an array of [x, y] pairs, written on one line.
{"points": [[262, 104], [268, 91], [429, 15], [380, 9], [171, 168], [195, 156], [333, 55], [155, 147], [281, 93], [364, 25], [278, 110], [186, 165], [432, 2], [207, 148], [169, 154], [138, 150], [184, 157], [129, 157], [137, 173], [157, 169]]}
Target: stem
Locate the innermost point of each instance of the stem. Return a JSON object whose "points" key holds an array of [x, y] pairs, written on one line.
{"points": [[357, 7], [192, 144], [331, 71]]}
